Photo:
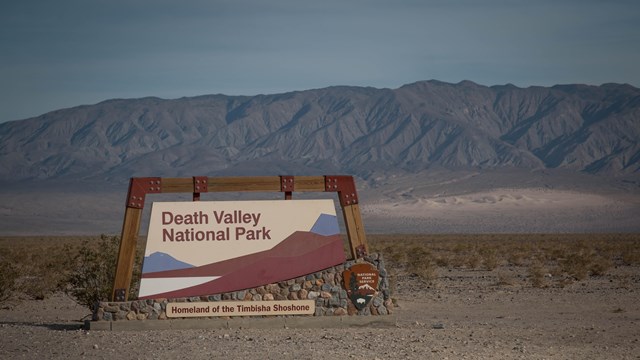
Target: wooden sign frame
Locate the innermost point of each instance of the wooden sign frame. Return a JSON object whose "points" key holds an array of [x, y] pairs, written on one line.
{"points": [[139, 187]]}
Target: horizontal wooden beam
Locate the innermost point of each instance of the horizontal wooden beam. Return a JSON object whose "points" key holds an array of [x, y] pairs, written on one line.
{"points": [[232, 184], [252, 183], [177, 185], [309, 183]]}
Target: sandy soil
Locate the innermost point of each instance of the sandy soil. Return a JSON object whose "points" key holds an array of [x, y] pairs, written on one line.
{"points": [[507, 210], [464, 314]]}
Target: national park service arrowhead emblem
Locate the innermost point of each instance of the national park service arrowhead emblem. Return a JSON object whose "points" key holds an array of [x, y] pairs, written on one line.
{"points": [[361, 283]]}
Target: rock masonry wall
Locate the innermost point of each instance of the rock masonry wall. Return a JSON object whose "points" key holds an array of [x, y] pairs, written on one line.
{"points": [[326, 287]]}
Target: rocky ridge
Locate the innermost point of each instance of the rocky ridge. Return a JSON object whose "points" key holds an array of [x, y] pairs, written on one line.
{"points": [[356, 130]]}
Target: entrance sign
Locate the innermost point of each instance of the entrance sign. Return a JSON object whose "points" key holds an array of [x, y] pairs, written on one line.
{"points": [[204, 248], [241, 308], [140, 187]]}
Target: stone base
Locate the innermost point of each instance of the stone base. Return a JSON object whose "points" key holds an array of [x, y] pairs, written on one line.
{"points": [[325, 287]]}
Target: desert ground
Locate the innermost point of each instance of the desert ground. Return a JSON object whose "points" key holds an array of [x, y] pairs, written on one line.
{"points": [[544, 296], [503, 210]]}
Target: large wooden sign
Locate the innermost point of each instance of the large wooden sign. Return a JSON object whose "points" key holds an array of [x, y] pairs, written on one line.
{"points": [[203, 248], [139, 188]]}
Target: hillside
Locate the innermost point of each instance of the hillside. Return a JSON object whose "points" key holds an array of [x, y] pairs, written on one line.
{"points": [[338, 129]]}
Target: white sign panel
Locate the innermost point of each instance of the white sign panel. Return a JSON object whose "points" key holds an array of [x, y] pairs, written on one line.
{"points": [[201, 248]]}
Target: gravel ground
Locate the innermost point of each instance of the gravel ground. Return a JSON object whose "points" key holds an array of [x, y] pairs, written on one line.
{"points": [[462, 315]]}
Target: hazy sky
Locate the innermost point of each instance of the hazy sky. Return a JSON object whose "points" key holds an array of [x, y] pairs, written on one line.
{"points": [[57, 54]]}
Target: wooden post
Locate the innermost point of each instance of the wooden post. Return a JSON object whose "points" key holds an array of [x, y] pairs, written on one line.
{"points": [[138, 188], [355, 231], [126, 254], [348, 196]]}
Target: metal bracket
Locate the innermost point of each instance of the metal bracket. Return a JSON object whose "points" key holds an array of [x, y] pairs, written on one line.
{"points": [[287, 186], [139, 187], [344, 186], [200, 185], [120, 295], [361, 251]]}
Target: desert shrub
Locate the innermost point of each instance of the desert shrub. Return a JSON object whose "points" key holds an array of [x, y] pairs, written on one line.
{"points": [[93, 272], [473, 260], [458, 260], [489, 258], [395, 254], [516, 258], [8, 275], [421, 263], [36, 271], [45, 272], [537, 273], [442, 261], [631, 254], [577, 264], [393, 251], [600, 264]]}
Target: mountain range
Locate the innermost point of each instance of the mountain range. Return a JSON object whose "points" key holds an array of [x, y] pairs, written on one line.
{"points": [[378, 135], [357, 130]]}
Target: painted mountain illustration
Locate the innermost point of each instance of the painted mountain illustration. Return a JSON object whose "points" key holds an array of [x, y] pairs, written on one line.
{"points": [[159, 261], [366, 287], [326, 225], [301, 253]]}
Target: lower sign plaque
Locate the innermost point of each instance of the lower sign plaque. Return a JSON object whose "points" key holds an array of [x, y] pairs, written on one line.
{"points": [[241, 308]]}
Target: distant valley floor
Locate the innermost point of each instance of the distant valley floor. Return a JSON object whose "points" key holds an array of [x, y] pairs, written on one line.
{"points": [[505, 210]]}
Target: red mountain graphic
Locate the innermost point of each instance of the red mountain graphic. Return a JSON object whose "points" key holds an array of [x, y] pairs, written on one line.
{"points": [[299, 254]]}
